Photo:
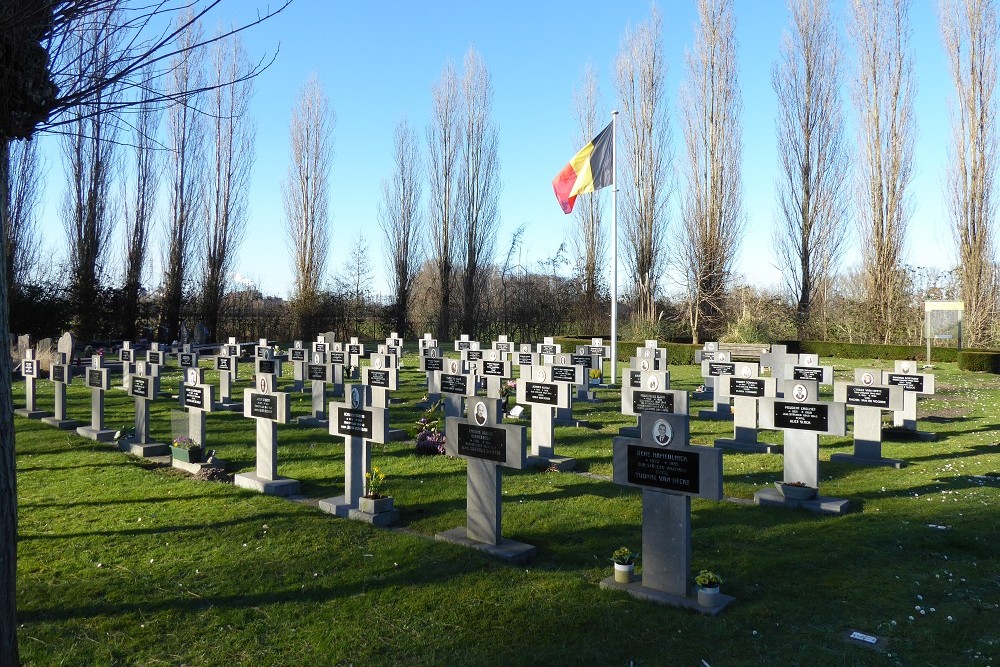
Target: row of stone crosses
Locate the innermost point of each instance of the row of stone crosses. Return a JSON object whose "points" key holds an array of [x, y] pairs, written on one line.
{"points": [[655, 455]]}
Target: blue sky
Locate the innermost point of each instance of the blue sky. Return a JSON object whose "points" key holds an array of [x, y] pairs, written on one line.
{"points": [[379, 60]]}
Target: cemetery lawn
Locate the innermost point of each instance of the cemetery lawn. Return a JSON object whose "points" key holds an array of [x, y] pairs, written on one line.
{"points": [[125, 562]]}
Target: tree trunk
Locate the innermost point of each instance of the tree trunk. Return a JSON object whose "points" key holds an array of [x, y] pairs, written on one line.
{"points": [[8, 470]]}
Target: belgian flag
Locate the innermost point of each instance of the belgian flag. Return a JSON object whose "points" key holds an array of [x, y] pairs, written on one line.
{"points": [[589, 170]]}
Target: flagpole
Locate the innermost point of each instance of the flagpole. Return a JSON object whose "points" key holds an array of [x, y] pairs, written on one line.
{"points": [[614, 247]]}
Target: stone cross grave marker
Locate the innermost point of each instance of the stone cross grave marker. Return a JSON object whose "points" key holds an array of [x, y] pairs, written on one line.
{"points": [[299, 356], [337, 357], [537, 389], [456, 384], [319, 372], [61, 374], [359, 423], [745, 390], [432, 364], [776, 359], [502, 344], [913, 383], [869, 398], [186, 358], [265, 363], [599, 352], [269, 408], [394, 346], [127, 356], [496, 368], [29, 371], [547, 349], [381, 375], [487, 446], [143, 386], [648, 391], [355, 351], [670, 471], [99, 380], [712, 370], [802, 418], [562, 369], [227, 362], [156, 356], [197, 400]]}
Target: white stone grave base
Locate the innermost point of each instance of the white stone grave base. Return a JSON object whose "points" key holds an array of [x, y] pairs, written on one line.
{"points": [[64, 424], [637, 590], [143, 450], [228, 406], [560, 463], [507, 549], [98, 434], [32, 414], [380, 519], [843, 457], [900, 433], [195, 468], [397, 435], [579, 423], [313, 422], [706, 395], [716, 415], [748, 447], [338, 506], [819, 504], [282, 486]]}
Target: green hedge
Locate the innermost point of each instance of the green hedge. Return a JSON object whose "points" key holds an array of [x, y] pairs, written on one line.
{"points": [[986, 362], [678, 354]]}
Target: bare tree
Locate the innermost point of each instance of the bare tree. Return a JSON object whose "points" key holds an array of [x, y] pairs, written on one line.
{"points": [[90, 158], [814, 163], [399, 218], [480, 187], [355, 283], [969, 30], [186, 141], [21, 236], [640, 70], [590, 243], [142, 201], [712, 210], [231, 144], [883, 96], [306, 197], [444, 140]]}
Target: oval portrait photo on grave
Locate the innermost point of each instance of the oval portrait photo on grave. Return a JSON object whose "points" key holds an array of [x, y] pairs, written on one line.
{"points": [[192, 375], [454, 367], [723, 357], [644, 365], [746, 372], [432, 352], [808, 360], [318, 358], [652, 383], [480, 413], [800, 393], [905, 367], [540, 375], [355, 397], [264, 384], [493, 355], [662, 433], [376, 362], [867, 379], [647, 353]]}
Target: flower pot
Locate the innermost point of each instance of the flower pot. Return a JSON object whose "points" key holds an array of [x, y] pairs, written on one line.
{"points": [[708, 596], [192, 455], [375, 505], [623, 573], [792, 492]]}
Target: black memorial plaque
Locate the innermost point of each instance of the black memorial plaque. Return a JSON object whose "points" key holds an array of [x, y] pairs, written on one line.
{"points": [[564, 374], [549, 349], [232, 350], [463, 345], [650, 401], [721, 368], [95, 378], [125, 355], [708, 355], [474, 355], [482, 442], [338, 358], [265, 366], [596, 351], [223, 363], [494, 368], [59, 374], [525, 358], [801, 416], [662, 468], [753, 387], [377, 378], [194, 397], [906, 381], [433, 364], [141, 387], [872, 397], [807, 373], [297, 354], [635, 379], [319, 347], [503, 347], [28, 368], [154, 357], [354, 422], [264, 406], [354, 349], [261, 351], [454, 384], [186, 360], [316, 372], [539, 392], [581, 360]]}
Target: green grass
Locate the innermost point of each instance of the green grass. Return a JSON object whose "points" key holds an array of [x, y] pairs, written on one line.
{"points": [[126, 563]]}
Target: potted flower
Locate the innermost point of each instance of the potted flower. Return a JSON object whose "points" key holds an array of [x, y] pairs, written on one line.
{"points": [[595, 377], [796, 490], [708, 588], [125, 434], [430, 441], [624, 560], [507, 389], [185, 449], [375, 501]]}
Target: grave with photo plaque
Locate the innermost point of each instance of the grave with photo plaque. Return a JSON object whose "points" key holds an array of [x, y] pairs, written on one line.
{"points": [[904, 422], [713, 370], [98, 378], [127, 357], [670, 471], [337, 357], [776, 359], [746, 391], [196, 397], [487, 446], [456, 384], [432, 365], [381, 375], [29, 371], [227, 364], [803, 419], [869, 399], [807, 368], [186, 358], [143, 386], [648, 391], [537, 389], [585, 392], [563, 370], [547, 349], [359, 423], [299, 356], [269, 408], [496, 368], [598, 352], [319, 372], [156, 356], [61, 374], [706, 353], [394, 346], [264, 361], [355, 351]]}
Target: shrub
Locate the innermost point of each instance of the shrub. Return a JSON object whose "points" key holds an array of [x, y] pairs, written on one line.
{"points": [[983, 362]]}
